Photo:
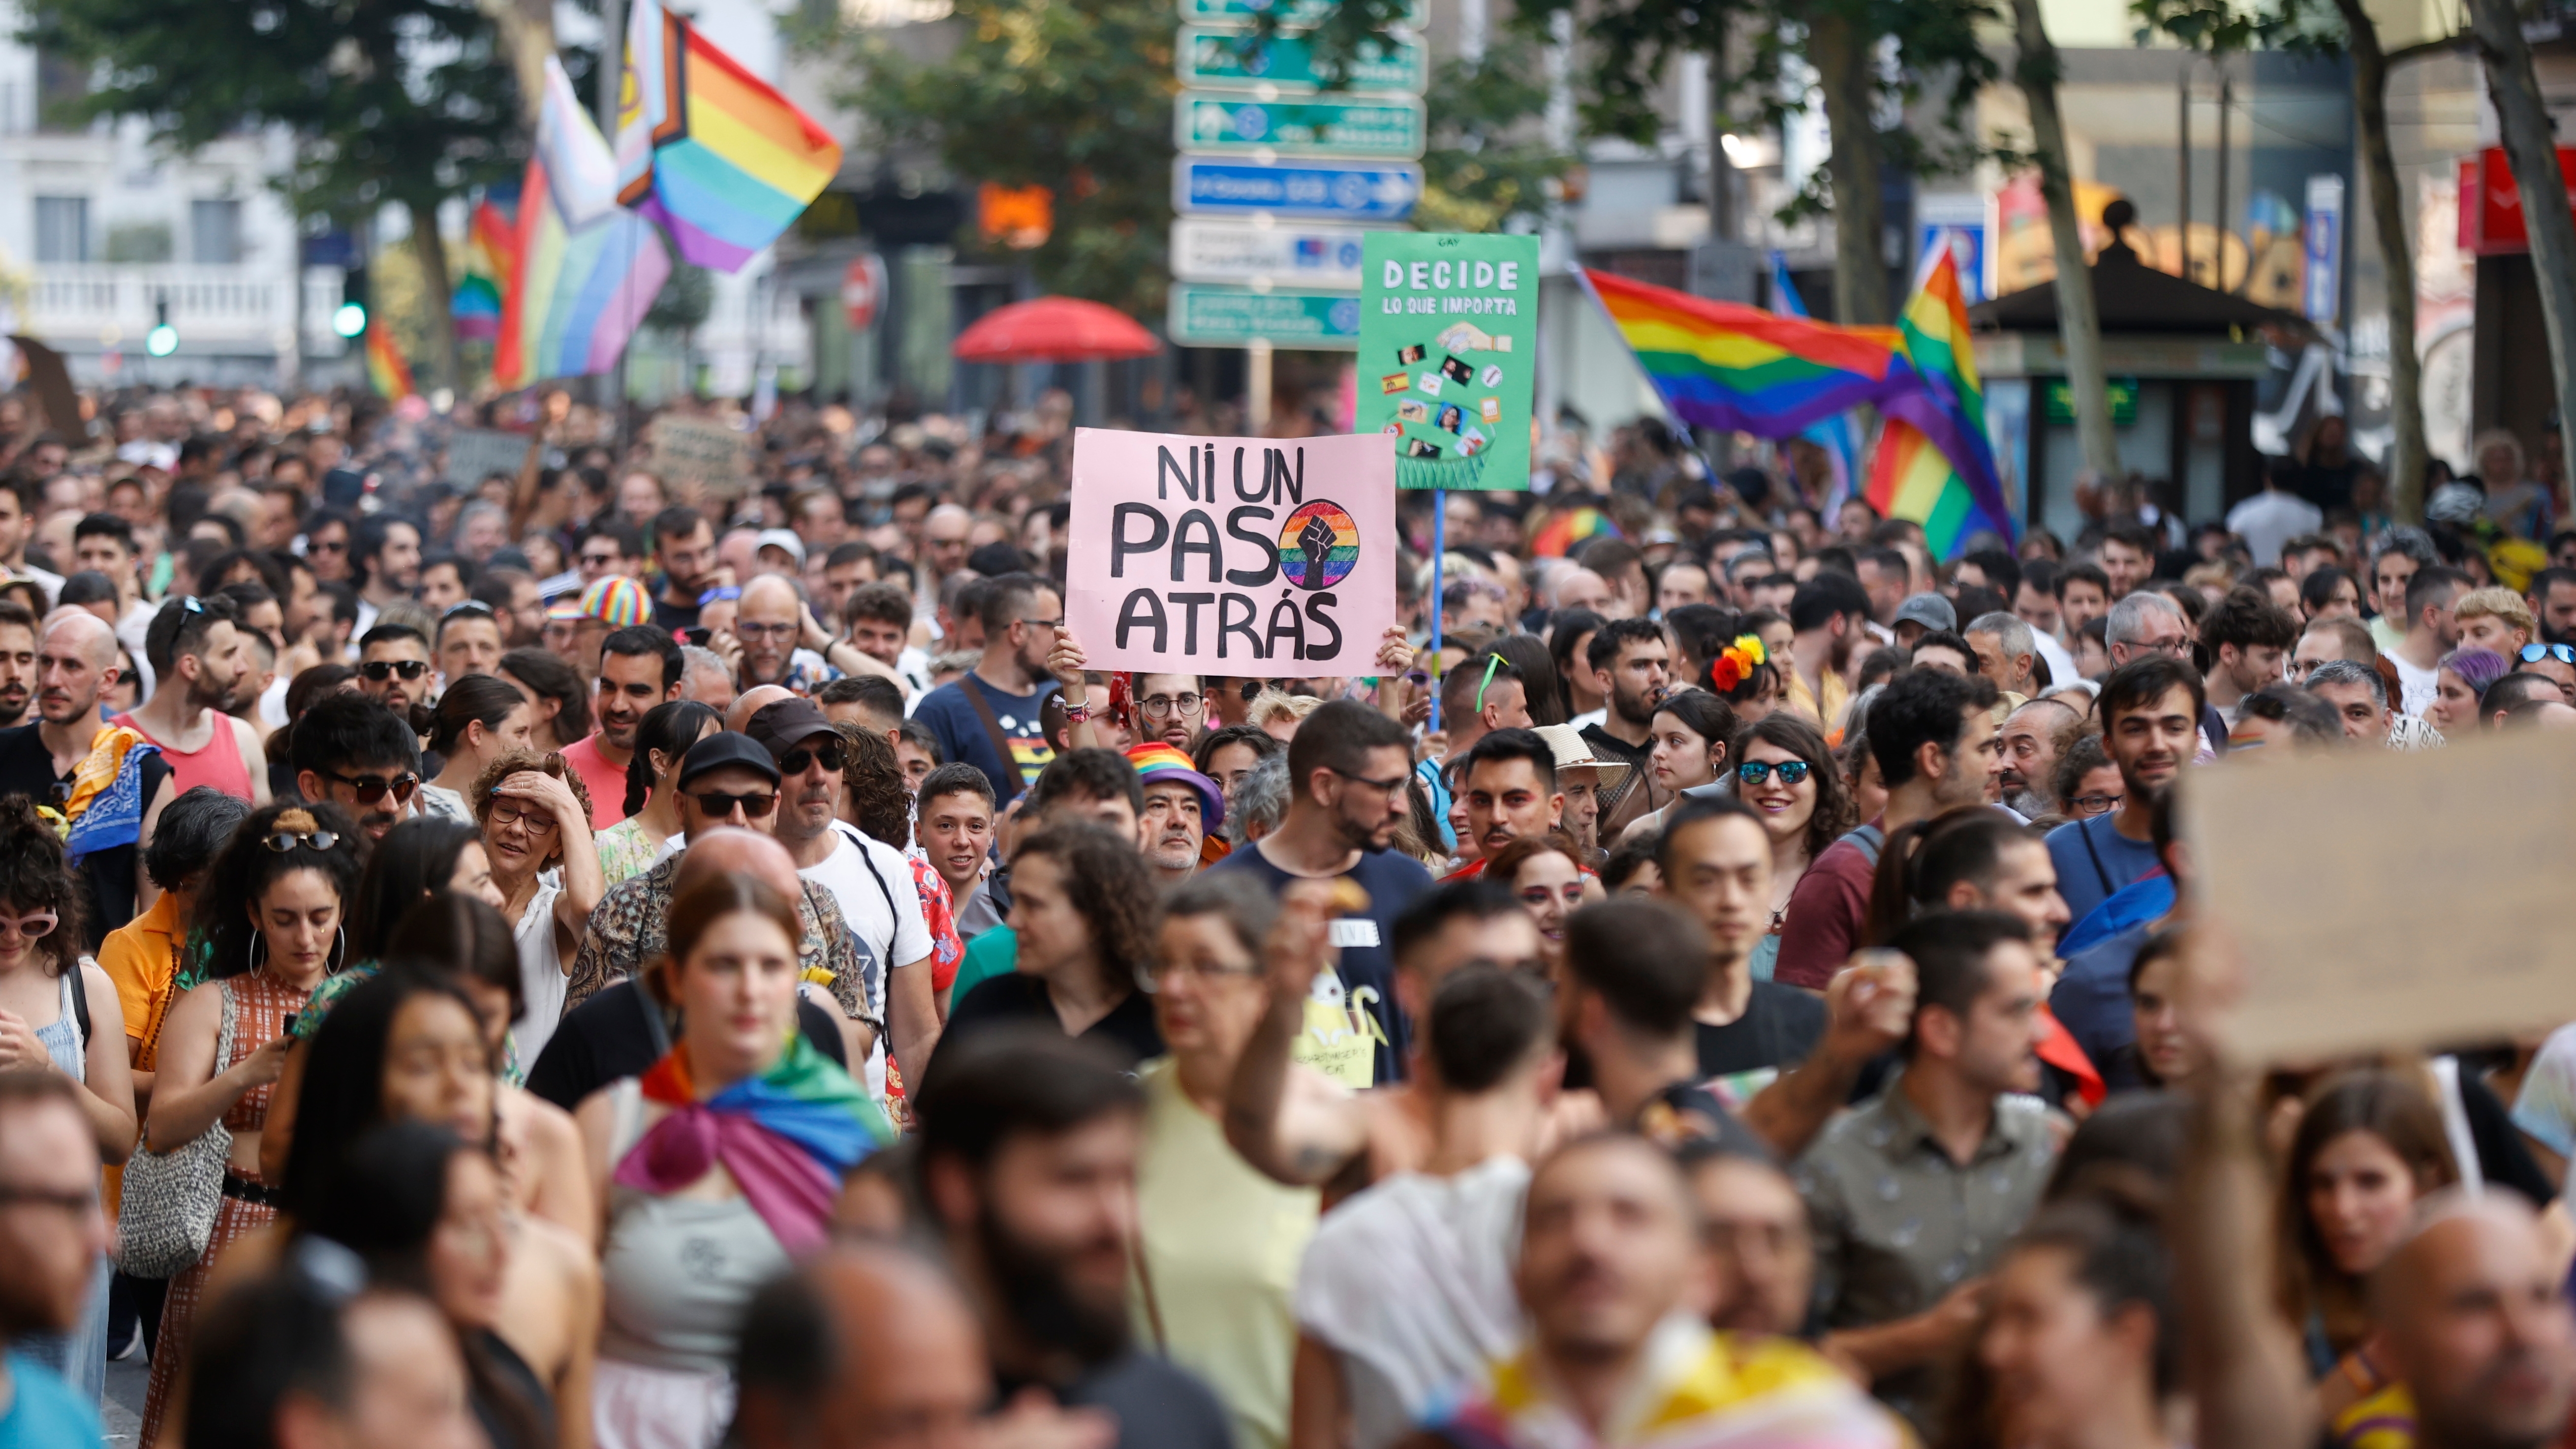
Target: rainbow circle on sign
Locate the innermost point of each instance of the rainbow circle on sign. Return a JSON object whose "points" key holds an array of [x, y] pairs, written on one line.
{"points": [[1319, 545]]}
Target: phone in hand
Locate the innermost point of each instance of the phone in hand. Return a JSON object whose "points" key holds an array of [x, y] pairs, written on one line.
{"points": [[698, 635], [286, 1027]]}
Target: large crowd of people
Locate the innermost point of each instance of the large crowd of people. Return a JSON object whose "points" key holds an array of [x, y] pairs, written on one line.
{"points": [[604, 957]]}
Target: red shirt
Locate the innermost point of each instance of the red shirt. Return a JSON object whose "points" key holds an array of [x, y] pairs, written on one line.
{"points": [[605, 782], [1827, 911]]}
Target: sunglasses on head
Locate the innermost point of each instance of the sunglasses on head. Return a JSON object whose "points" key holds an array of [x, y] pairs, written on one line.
{"points": [[380, 670], [833, 752], [2563, 653], [371, 788], [755, 806], [470, 607], [1759, 772], [285, 840]]}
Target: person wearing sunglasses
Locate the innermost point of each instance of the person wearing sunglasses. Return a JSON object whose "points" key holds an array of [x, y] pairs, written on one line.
{"points": [[394, 667], [360, 756], [202, 663], [1786, 772], [270, 915], [2556, 662], [535, 818]]}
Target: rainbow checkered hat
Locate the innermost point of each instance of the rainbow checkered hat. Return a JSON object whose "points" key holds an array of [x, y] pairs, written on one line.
{"points": [[1159, 761], [617, 601]]}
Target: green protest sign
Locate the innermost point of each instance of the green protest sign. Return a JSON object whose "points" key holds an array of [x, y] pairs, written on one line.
{"points": [[1448, 337]]}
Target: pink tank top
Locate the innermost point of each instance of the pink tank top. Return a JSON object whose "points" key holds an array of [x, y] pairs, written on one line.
{"points": [[218, 764]]}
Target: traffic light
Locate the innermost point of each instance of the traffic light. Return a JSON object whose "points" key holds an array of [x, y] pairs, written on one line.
{"points": [[351, 318], [163, 339]]}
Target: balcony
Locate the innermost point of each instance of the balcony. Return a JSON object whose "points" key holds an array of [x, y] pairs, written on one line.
{"points": [[86, 307]]}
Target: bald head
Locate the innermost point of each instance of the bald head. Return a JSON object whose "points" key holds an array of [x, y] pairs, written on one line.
{"points": [[729, 850], [76, 632], [860, 1335], [2473, 1310], [750, 701], [76, 662]]}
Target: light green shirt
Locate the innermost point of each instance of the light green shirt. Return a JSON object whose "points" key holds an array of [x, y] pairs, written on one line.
{"points": [[994, 953]]}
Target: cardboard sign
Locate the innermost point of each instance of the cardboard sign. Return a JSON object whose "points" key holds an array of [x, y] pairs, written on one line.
{"points": [[1448, 352], [701, 454], [1240, 556], [474, 454], [2387, 899]]}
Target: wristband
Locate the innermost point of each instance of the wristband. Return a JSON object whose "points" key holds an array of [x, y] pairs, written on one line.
{"points": [[1077, 713]]}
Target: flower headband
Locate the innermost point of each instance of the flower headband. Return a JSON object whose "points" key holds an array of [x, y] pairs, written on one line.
{"points": [[1736, 662]]}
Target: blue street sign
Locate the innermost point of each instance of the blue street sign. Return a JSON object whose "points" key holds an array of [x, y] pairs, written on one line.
{"points": [[1323, 190]]}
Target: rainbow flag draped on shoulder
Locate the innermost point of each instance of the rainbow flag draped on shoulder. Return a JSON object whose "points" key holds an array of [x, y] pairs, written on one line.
{"points": [[1934, 463]]}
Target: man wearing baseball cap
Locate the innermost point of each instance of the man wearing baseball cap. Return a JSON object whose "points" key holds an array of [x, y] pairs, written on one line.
{"points": [[869, 879], [1181, 807]]}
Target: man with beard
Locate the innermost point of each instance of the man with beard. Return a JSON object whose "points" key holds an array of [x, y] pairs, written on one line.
{"points": [[868, 879], [1028, 1164], [1181, 806], [360, 756], [17, 660], [685, 545], [639, 667], [2150, 709], [1631, 665], [2034, 736], [386, 556], [394, 668], [1347, 767], [1828, 619], [1508, 783], [995, 727], [201, 660], [75, 664]]}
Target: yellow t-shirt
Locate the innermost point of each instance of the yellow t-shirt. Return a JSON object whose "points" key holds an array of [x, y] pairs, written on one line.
{"points": [[1222, 1245]]}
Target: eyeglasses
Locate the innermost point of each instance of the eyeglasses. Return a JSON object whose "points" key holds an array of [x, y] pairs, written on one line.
{"points": [[285, 840], [379, 670], [2097, 804], [1158, 972], [1164, 706], [2178, 646], [315, 545], [30, 926], [602, 560], [1387, 786], [718, 595], [755, 806], [371, 788], [528, 817], [2563, 653], [834, 753], [1055, 624], [1759, 772], [749, 630]]}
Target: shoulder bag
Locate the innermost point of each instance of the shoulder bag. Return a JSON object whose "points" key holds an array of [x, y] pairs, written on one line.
{"points": [[167, 1213]]}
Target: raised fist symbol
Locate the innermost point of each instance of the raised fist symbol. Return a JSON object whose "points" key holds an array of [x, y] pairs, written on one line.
{"points": [[1316, 538]]}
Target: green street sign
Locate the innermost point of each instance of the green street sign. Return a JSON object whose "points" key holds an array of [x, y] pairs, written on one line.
{"points": [[1448, 337], [1210, 316], [2122, 392], [1237, 59], [1294, 12], [1389, 127]]}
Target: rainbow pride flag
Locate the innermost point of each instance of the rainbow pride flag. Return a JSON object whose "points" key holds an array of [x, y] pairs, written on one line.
{"points": [[1836, 435], [490, 239], [707, 148], [583, 268], [1741, 369], [1934, 462], [387, 373], [1569, 529]]}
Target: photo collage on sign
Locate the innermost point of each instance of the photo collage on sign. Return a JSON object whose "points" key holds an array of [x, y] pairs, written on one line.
{"points": [[1443, 396]]}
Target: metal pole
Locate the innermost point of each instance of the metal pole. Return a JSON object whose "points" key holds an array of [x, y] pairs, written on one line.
{"points": [[2182, 168], [1256, 386], [610, 391], [1439, 546]]}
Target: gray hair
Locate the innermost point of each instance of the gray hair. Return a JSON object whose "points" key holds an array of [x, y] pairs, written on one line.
{"points": [[695, 659], [1243, 902], [2345, 671], [2009, 630], [2127, 621], [477, 509], [1261, 800], [2413, 542]]}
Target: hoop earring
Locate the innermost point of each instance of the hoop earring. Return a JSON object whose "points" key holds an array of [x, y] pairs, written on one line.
{"points": [[258, 950], [339, 952]]}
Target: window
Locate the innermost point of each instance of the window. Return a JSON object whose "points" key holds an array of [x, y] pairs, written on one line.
{"points": [[214, 233], [62, 228], [61, 85]]}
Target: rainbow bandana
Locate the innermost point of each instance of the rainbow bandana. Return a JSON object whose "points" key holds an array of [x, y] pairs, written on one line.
{"points": [[1700, 1390], [787, 1137]]}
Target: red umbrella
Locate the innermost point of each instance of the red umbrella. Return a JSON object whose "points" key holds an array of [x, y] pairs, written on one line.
{"points": [[1054, 329]]}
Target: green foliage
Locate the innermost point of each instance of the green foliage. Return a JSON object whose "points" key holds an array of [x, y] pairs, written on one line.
{"points": [[684, 301], [2221, 27], [389, 100], [1483, 169]]}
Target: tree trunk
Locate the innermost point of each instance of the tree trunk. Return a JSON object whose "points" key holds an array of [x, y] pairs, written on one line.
{"points": [[528, 31], [2397, 256], [431, 252], [2079, 321], [1844, 62], [2532, 150]]}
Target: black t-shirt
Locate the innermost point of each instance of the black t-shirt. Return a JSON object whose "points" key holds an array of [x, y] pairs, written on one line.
{"points": [[1393, 881], [609, 1037], [670, 616], [1779, 1027], [1021, 997], [107, 876], [1687, 1114], [1157, 1405], [27, 766]]}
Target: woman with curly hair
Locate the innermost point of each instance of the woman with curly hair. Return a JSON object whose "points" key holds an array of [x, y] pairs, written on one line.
{"points": [[1787, 773], [60, 1013], [535, 815], [270, 915], [1082, 905]]}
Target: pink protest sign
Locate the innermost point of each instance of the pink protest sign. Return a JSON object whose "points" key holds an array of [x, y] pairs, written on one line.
{"points": [[1267, 557]]}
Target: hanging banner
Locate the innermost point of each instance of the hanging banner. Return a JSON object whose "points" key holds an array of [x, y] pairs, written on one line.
{"points": [[1271, 557], [1448, 346]]}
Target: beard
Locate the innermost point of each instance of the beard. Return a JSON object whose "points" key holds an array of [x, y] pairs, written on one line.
{"points": [[13, 705], [1636, 709], [2030, 803], [1045, 1304]]}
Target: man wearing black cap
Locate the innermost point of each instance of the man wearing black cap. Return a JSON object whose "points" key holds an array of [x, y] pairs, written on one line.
{"points": [[724, 779], [868, 879]]}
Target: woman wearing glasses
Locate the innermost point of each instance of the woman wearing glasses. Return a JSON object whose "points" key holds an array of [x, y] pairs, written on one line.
{"points": [[481, 718], [270, 916], [1786, 772], [535, 816]]}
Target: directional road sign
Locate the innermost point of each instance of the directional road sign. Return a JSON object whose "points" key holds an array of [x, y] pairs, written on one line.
{"points": [[1303, 256], [1206, 316], [1295, 12], [1389, 126], [1234, 58], [1320, 190]]}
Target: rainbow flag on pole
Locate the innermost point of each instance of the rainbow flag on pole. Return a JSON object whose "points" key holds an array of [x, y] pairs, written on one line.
{"points": [[1741, 369], [490, 240], [583, 268], [387, 373], [708, 149], [1934, 462]]}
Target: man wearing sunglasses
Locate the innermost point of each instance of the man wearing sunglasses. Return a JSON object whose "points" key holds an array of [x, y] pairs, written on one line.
{"points": [[393, 667], [202, 661], [359, 755], [870, 881]]}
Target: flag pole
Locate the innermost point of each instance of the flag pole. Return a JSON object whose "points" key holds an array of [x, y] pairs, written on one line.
{"points": [[1439, 547]]}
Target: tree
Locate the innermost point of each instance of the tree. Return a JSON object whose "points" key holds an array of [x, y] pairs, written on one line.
{"points": [[2531, 149], [1484, 170], [2079, 321], [400, 102], [2220, 27]]}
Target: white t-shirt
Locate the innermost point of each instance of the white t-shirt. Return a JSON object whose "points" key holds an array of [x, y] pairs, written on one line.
{"points": [[885, 919], [541, 971], [2416, 686]]}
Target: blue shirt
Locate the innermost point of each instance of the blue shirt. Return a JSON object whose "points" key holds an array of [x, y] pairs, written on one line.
{"points": [[44, 1413], [1393, 880], [954, 721], [2092, 998], [2133, 904], [2094, 860]]}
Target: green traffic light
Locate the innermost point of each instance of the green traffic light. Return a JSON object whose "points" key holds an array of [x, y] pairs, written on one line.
{"points": [[350, 320], [162, 340]]}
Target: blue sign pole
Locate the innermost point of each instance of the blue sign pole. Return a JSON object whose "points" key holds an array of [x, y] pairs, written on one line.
{"points": [[1439, 546]]}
